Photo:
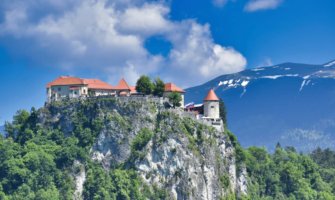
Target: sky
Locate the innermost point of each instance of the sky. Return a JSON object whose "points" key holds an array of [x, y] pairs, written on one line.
{"points": [[182, 41]]}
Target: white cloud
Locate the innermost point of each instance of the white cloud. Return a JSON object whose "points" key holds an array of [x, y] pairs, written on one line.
{"points": [[266, 63], [196, 55], [256, 5], [109, 36], [220, 2]]}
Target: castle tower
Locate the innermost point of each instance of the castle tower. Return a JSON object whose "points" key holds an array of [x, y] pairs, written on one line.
{"points": [[212, 105]]}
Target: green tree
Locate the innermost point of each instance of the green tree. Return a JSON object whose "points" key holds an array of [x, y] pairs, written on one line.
{"points": [[159, 87], [175, 98], [223, 111], [144, 85]]}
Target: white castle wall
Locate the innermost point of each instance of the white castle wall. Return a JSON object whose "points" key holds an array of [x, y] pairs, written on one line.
{"points": [[212, 109]]}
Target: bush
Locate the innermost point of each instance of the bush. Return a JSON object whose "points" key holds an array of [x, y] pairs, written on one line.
{"points": [[141, 139]]}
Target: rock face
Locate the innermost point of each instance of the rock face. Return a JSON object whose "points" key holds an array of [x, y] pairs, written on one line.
{"points": [[166, 147], [80, 177]]}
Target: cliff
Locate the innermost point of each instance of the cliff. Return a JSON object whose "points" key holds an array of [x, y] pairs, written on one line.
{"points": [[166, 147]]}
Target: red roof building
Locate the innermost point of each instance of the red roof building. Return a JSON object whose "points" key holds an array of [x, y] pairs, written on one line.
{"points": [[97, 84], [71, 81], [73, 87], [123, 85], [170, 87], [66, 80]]}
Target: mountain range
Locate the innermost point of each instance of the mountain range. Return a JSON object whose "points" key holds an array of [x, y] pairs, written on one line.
{"points": [[289, 103]]}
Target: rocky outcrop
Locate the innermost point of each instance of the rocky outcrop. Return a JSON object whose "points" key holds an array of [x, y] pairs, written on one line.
{"points": [[79, 175], [168, 148]]}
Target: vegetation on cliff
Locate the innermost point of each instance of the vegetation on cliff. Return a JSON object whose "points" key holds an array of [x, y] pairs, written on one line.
{"points": [[40, 147]]}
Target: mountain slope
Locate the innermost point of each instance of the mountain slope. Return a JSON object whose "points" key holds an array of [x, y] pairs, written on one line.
{"points": [[288, 103]]}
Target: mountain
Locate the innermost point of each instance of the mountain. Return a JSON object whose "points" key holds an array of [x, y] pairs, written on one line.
{"points": [[288, 103]]}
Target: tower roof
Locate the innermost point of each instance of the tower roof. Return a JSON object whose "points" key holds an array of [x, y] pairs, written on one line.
{"points": [[211, 96], [123, 85]]}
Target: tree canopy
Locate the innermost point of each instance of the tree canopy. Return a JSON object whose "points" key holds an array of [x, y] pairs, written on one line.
{"points": [[159, 87], [223, 111], [175, 98], [144, 85]]}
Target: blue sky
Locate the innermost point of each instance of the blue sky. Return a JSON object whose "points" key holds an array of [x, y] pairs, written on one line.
{"points": [[187, 42]]}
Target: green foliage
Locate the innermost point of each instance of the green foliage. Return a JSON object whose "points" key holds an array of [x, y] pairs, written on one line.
{"points": [[141, 139], [175, 98], [115, 184], [223, 111], [224, 181], [159, 87], [284, 175], [144, 85], [326, 160]]}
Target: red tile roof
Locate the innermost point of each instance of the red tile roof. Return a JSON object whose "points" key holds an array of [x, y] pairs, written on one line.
{"points": [[65, 80], [123, 85], [91, 83], [133, 89], [211, 96], [97, 84], [170, 87]]}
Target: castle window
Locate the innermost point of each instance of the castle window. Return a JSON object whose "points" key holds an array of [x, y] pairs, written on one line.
{"points": [[212, 106]]}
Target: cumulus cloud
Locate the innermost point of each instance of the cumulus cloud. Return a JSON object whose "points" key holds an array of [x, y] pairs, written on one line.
{"points": [[195, 54], [256, 5], [110, 36]]}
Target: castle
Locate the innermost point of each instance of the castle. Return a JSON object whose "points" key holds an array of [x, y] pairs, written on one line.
{"points": [[72, 87]]}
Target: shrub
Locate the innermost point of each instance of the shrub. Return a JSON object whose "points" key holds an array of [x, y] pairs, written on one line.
{"points": [[141, 139]]}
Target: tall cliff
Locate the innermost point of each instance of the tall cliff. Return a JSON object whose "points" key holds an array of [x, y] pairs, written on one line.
{"points": [[159, 151]]}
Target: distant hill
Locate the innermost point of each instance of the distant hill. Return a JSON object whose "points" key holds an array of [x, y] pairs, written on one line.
{"points": [[288, 103]]}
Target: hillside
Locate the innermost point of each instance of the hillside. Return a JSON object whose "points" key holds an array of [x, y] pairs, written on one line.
{"points": [[117, 149], [288, 103]]}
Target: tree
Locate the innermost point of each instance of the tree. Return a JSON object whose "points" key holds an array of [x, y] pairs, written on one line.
{"points": [[144, 85], [159, 87], [223, 111], [175, 99]]}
